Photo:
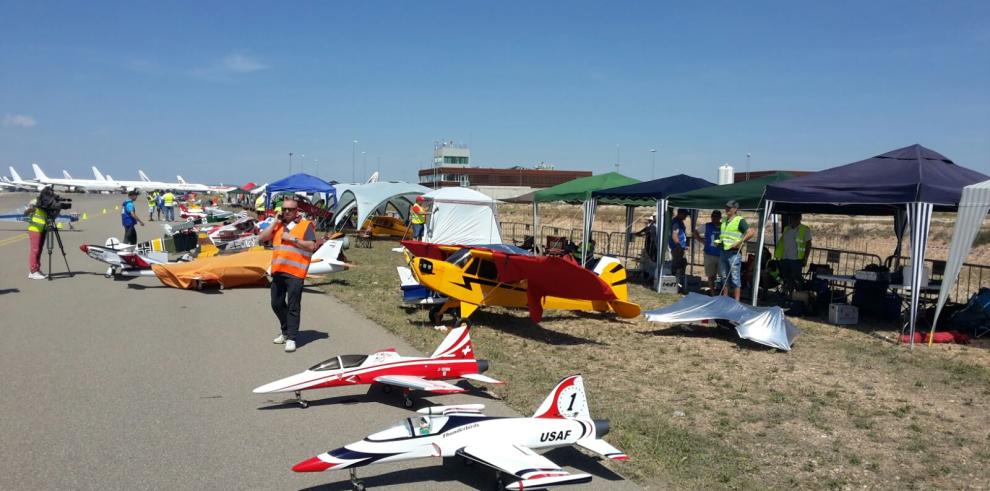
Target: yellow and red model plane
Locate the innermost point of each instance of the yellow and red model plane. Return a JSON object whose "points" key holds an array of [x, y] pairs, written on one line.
{"points": [[507, 276], [386, 226]]}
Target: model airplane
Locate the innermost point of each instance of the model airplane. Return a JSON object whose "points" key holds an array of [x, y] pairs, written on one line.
{"points": [[453, 359], [127, 259], [507, 276], [504, 444]]}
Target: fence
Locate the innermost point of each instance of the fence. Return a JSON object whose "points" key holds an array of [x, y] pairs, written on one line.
{"points": [[971, 277]]}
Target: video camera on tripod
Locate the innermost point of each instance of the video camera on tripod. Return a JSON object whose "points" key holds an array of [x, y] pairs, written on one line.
{"points": [[52, 203]]}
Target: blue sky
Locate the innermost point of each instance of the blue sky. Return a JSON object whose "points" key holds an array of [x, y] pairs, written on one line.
{"points": [[223, 91]]}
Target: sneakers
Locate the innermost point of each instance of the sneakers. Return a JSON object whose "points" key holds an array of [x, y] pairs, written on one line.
{"points": [[290, 346], [280, 339], [36, 276]]}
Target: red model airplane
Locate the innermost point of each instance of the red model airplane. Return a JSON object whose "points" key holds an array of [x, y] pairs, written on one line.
{"points": [[453, 359]]}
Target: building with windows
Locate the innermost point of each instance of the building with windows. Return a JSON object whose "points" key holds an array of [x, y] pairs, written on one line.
{"points": [[452, 167]]}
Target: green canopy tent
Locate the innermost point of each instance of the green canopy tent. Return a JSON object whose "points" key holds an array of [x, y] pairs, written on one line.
{"points": [[577, 191], [749, 194]]}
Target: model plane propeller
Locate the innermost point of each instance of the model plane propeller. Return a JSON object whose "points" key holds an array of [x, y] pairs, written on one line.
{"points": [[505, 444], [453, 359]]}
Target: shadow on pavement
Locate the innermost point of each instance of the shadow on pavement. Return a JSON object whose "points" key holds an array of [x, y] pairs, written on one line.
{"points": [[305, 337], [9, 290], [390, 396]]}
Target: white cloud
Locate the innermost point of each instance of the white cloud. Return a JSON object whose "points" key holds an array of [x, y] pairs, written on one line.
{"points": [[240, 63], [18, 121], [230, 65]]}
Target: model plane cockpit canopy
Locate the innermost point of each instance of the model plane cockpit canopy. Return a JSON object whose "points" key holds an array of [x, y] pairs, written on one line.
{"points": [[338, 362]]}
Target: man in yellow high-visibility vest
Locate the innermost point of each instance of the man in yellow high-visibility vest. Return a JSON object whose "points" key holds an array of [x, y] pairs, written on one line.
{"points": [[733, 236], [417, 218], [792, 250]]}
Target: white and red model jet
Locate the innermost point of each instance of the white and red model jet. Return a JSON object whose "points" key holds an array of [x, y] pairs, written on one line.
{"points": [[453, 359], [504, 444]]}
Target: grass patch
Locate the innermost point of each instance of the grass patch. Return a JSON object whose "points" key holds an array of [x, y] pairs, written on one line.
{"points": [[702, 409]]}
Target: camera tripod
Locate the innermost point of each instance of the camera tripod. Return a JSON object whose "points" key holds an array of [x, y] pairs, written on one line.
{"points": [[51, 230]]}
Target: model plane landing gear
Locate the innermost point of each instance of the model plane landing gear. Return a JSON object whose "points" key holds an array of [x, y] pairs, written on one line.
{"points": [[303, 403], [386, 389], [499, 482], [356, 483], [408, 402]]}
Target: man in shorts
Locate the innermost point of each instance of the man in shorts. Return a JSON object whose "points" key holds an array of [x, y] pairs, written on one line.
{"points": [[734, 234]]}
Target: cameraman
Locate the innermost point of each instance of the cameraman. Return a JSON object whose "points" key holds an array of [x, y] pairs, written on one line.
{"points": [[128, 217], [36, 230]]}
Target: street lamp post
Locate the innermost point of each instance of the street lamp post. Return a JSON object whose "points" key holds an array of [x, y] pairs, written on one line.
{"points": [[290, 163], [364, 165], [616, 157], [747, 166], [353, 169], [653, 165]]}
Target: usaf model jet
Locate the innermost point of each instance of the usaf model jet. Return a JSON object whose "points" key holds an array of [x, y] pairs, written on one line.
{"points": [[453, 359], [505, 444]]}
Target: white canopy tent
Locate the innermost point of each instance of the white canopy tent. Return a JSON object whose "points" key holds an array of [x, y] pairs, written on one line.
{"points": [[973, 207], [373, 198], [462, 216]]}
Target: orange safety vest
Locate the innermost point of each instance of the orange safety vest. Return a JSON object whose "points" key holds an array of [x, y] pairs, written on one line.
{"points": [[287, 258]]}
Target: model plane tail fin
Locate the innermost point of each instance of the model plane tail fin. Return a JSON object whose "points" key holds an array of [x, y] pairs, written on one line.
{"points": [[457, 345], [566, 400], [611, 271]]}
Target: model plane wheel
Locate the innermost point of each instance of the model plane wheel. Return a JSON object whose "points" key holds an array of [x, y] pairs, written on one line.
{"points": [[358, 486], [407, 402], [303, 403], [435, 316], [386, 388]]}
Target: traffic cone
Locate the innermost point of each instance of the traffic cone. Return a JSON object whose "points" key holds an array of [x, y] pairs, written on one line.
{"points": [[116, 207], [104, 211], [85, 216]]}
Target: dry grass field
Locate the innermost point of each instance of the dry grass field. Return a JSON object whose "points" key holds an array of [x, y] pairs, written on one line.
{"points": [[700, 409]]}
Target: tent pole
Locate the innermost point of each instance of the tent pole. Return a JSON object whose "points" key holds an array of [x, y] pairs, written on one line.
{"points": [[537, 244], [694, 227], [767, 210], [920, 215], [629, 221], [661, 244]]}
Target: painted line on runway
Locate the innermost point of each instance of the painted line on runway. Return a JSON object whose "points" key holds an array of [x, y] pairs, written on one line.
{"points": [[11, 240]]}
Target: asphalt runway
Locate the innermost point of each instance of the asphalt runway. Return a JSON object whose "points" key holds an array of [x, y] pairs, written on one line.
{"points": [[114, 384]]}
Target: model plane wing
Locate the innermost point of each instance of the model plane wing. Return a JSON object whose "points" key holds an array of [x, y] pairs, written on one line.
{"points": [[417, 383], [534, 470], [481, 378]]}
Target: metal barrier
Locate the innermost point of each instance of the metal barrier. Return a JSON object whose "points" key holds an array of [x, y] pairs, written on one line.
{"points": [[843, 262], [972, 277]]}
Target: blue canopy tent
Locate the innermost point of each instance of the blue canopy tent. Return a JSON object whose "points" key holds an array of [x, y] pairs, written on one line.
{"points": [[300, 183], [909, 183], [648, 193]]}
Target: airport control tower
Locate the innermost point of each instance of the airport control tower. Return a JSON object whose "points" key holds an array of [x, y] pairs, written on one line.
{"points": [[450, 154]]}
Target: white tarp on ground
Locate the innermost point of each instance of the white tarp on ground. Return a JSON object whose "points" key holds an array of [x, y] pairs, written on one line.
{"points": [[374, 198], [462, 216], [764, 325], [973, 207]]}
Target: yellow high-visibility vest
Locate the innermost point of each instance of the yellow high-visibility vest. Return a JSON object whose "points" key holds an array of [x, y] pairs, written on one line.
{"points": [[730, 232], [802, 243]]}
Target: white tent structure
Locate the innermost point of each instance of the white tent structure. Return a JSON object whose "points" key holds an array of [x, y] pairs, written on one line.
{"points": [[373, 199], [462, 216], [973, 207]]}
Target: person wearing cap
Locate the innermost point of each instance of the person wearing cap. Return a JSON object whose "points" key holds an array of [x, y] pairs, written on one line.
{"points": [[417, 218], [649, 256], [733, 236], [128, 217], [713, 231], [678, 244]]}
